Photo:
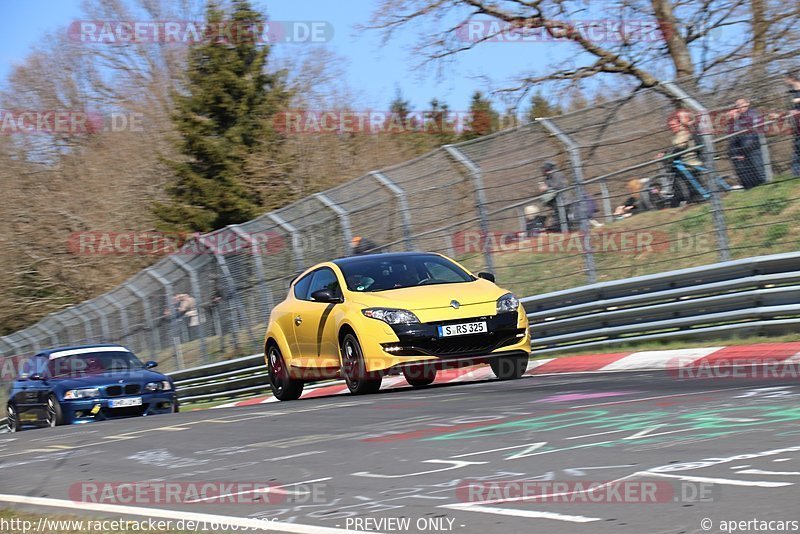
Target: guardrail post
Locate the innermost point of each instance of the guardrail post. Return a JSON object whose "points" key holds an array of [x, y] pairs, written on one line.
{"points": [[577, 171], [123, 316], [297, 245], [196, 293], [402, 205], [255, 247], [104, 331], [706, 133], [173, 317], [765, 157], [480, 198]]}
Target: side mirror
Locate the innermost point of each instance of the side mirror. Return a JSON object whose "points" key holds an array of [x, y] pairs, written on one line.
{"points": [[36, 376], [150, 364], [325, 295], [486, 276]]}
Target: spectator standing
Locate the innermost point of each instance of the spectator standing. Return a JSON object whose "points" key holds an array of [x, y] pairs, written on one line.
{"points": [[744, 148], [793, 80], [555, 185]]}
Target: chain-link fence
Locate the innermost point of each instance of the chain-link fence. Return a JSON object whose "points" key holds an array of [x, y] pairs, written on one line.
{"points": [[661, 179]]}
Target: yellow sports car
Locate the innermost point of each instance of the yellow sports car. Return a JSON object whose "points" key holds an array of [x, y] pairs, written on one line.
{"points": [[363, 317]]}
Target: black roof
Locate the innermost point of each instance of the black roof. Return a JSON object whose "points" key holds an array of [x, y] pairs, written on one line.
{"points": [[386, 256]]}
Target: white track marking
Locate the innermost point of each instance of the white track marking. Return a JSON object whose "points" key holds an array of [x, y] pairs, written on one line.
{"points": [[271, 489], [728, 481], [454, 464], [309, 453], [597, 434], [521, 513], [763, 472], [248, 523], [659, 359], [656, 397], [537, 445]]}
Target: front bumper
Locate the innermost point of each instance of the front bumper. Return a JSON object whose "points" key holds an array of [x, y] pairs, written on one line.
{"points": [[90, 410], [403, 345]]}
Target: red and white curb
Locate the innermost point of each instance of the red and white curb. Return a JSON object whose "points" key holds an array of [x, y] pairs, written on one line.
{"points": [[650, 360]]}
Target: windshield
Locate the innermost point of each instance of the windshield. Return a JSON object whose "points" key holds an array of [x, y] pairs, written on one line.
{"points": [[381, 273], [92, 363]]}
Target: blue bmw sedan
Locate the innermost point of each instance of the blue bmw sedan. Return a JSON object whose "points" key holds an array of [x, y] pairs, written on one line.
{"points": [[89, 383]]}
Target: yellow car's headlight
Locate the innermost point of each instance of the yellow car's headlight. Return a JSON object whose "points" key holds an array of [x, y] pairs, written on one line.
{"points": [[507, 303], [391, 316]]}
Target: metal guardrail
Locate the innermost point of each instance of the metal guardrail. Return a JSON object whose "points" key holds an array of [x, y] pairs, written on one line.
{"points": [[752, 295]]}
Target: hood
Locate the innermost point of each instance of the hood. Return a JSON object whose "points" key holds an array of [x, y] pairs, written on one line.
{"points": [[138, 376], [429, 297]]}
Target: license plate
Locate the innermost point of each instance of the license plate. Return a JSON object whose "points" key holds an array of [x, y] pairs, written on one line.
{"points": [[121, 403], [462, 329]]}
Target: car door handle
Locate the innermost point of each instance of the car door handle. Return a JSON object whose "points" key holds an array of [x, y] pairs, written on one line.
{"points": [[298, 320]]}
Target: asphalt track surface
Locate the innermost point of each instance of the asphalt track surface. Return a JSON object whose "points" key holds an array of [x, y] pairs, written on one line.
{"points": [[451, 458]]}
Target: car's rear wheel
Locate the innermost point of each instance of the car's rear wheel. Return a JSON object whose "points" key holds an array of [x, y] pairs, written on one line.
{"points": [[420, 375], [54, 415], [12, 420], [283, 386], [509, 367], [354, 369]]}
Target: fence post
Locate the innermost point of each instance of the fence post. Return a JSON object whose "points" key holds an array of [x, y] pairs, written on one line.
{"points": [[49, 333], [765, 157], [155, 342], [103, 320], [238, 316], [402, 204], [577, 171], [344, 220], [33, 342], [123, 316], [255, 247], [480, 198], [712, 182], [58, 318], [196, 294], [77, 312], [297, 245], [173, 318]]}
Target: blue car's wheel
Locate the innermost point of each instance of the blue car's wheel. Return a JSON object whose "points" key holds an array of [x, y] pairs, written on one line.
{"points": [[11, 418], [54, 415]]}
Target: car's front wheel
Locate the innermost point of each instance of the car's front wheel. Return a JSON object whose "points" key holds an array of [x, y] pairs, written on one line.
{"points": [[54, 415], [419, 375], [12, 419], [509, 367], [354, 369], [283, 386]]}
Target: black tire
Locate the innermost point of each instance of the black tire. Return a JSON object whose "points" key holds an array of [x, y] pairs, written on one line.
{"points": [[354, 370], [509, 367], [283, 386], [12, 419], [419, 376], [54, 415]]}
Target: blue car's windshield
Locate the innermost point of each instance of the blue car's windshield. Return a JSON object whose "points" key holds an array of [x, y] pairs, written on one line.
{"points": [[92, 363], [382, 273]]}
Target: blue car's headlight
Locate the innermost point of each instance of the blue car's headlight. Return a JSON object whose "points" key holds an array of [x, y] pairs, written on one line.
{"points": [[163, 385], [391, 316], [507, 303], [88, 393]]}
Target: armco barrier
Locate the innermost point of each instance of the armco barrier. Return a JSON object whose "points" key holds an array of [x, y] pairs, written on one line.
{"points": [[759, 295]]}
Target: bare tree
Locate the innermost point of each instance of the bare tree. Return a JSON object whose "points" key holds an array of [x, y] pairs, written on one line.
{"points": [[636, 40]]}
